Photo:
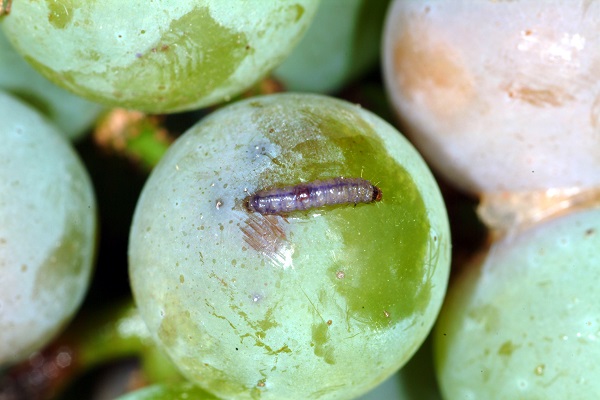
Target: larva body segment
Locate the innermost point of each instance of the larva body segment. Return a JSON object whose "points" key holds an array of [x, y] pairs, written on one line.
{"points": [[313, 195]]}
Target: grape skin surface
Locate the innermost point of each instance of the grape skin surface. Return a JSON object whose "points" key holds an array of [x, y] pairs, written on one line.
{"points": [[340, 45], [47, 231], [498, 104], [524, 322], [163, 56], [250, 306], [72, 114]]}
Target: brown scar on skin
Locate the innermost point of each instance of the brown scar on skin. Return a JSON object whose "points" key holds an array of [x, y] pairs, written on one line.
{"points": [[546, 95], [428, 68], [265, 234]]}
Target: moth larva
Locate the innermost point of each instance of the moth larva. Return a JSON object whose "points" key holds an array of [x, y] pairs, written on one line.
{"points": [[314, 194]]}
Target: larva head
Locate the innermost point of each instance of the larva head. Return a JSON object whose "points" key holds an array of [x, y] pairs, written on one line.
{"points": [[377, 193]]}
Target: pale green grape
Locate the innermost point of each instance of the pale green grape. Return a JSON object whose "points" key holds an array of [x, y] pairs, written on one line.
{"points": [[341, 43], [169, 392], [161, 56], [415, 381], [524, 322], [325, 303], [47, 229], [73, 115]]}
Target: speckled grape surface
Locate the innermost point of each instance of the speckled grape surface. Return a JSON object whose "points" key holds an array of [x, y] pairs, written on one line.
{"points": [[161, 56], [47, 229], [499, 95], [525, 322], [319, 304]]}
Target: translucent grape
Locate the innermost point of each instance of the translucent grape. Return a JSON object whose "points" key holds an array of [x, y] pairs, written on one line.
{"points": [[323, 303], [162, 56], [47, 229], [523, 323], [341, 43]]}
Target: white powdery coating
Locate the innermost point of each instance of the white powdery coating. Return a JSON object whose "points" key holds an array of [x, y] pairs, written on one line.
{"points": [[499, 95], [525, 324], [47, 228]]}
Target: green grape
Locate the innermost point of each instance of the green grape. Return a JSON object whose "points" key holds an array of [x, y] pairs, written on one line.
{"points": [[416, 379], [47, 229], [73, 115], [169, 392], [324, 303], [341, 43], [523, 323], [162, 56]]}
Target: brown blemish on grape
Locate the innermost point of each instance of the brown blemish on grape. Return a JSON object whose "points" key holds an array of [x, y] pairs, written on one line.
{"points": [[541, 96], [340, 274], [265, 234], [430, 70]]}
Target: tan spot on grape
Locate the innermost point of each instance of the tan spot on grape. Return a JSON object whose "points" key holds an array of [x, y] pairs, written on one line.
{"points": [[538, 95], [430, 70]]}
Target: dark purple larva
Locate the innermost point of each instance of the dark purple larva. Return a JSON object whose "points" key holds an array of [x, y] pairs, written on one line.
{"points": [[314, 194]]}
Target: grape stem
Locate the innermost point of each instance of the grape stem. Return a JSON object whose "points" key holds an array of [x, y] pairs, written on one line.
{"points": [[5, 7]]}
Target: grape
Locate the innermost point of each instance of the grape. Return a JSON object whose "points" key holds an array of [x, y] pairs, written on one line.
{"points": [[47, 229], [70, 113], [169, 392], [416, 379], [162, 56], [523, 323], [324, 303], [499, 96], [341, 43]]}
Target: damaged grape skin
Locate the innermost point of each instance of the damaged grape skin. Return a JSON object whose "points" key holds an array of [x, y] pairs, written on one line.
{"points": [[325, 303], [159, 57]]}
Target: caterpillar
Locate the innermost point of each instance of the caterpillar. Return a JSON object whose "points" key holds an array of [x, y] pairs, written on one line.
{"points": [[314, 194]]}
